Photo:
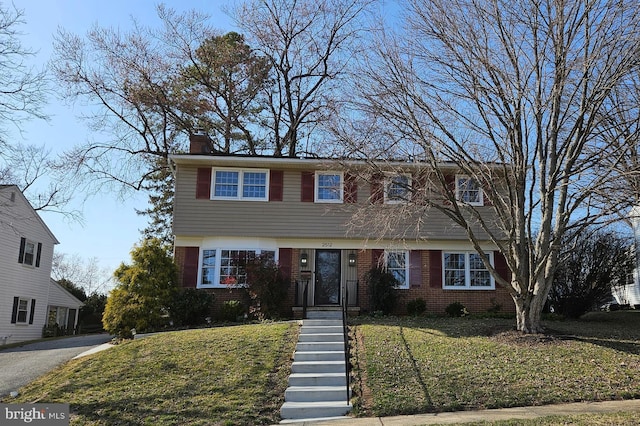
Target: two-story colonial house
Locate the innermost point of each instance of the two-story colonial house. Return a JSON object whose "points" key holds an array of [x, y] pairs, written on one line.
{"points": [[28, 296], [299, 211]]}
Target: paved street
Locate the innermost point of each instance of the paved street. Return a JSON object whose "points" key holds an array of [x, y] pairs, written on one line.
{"points": [[21, 365]]}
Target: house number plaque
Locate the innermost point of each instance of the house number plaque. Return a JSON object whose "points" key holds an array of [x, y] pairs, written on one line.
{"points": [[327, 245]]}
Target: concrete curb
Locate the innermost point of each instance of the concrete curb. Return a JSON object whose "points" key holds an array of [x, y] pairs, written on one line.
{"points": [[459, 417]]}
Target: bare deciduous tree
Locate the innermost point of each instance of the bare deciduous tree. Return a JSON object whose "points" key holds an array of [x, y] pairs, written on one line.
{"points": [[85, 273], [514, 95], [308, 43]]}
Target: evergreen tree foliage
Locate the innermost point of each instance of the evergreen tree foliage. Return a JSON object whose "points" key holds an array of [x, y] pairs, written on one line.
{"points": [[144, 291]]}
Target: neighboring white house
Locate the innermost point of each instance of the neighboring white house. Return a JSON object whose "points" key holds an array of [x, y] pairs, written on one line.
{"points": [[26, 254], [63, 307], [630, 293]]}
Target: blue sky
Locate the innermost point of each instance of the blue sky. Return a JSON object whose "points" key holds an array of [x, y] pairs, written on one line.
{"points": [[111, 226]]}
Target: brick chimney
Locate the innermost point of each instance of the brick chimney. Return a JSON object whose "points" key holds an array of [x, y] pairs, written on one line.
{"points": [[199, 143]]}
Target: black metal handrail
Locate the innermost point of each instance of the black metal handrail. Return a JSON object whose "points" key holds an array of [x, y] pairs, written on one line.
{"points": [[305, 290], [345, 333]]}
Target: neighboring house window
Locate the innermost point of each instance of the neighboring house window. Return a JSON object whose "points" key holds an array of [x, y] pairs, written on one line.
{"points": [[23, 305], [397, 189], [397, 263], [232, 184], [23, 311], [468, 190], [225, 267], [29, 252], [466, 271], [329, 187]]}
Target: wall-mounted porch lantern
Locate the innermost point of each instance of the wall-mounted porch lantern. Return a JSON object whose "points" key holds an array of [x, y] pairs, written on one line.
{"points": [[304, 259], [352, 259]]}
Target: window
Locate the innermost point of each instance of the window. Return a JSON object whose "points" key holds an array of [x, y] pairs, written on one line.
{"points": [[466, 271], [225, 267], [397, 264], [397, 189], [328, 187], [29, 252], [468, 191], [232, 184], [22, 311]]}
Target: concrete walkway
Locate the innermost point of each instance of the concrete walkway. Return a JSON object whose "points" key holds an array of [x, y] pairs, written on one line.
{"points": [[461, 417]]}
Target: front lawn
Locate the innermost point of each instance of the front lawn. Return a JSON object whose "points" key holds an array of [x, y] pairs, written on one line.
{"points": [[229, 375], [420, 365]]}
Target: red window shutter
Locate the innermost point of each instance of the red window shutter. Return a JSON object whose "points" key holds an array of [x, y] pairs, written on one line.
{"points": [[350, 189], [451, 186], [190, 266], [276, 182], [419, 184], [203, 183], [435, 268], [500, 263], [415, 268], [377, 258], [284, 262], [307, 183], [377, 189]]}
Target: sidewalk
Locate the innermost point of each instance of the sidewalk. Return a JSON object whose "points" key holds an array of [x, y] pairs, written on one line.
{"points": [[461, 417]]}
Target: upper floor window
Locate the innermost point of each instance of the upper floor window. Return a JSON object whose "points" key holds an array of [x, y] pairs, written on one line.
{"points": [[468, 190], [234, 184], [329, 187], [397, 188], [397, 263], [29, 252], [466, 271]]}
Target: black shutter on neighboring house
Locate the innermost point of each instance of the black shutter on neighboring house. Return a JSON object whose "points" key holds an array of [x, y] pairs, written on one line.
{"points": [[14, 313], [33, 310], [38, 255], [23, 242]]}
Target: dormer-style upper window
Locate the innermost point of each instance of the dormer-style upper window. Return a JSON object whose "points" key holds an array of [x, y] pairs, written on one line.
{"points": [[468, 191]]}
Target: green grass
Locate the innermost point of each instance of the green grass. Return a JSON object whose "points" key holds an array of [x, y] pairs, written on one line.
{"points": [[409, 366], [218, 376], [604, 419]]}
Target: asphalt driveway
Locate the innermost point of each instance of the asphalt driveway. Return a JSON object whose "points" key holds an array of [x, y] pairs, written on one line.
{"points": [[21, 365]]}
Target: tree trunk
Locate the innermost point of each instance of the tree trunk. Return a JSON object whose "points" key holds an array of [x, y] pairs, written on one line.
{"points": [[528, 312]]}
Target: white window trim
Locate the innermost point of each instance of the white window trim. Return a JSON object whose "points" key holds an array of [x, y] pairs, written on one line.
{"points": [[387, 183], [467, 273], [317, 182], [241, 173], [218, 265], [35, 254], [405, 285], [480, 201], [26, 317]]}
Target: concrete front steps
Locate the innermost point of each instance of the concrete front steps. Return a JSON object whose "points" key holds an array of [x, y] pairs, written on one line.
{"points": [[317, 384]]}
